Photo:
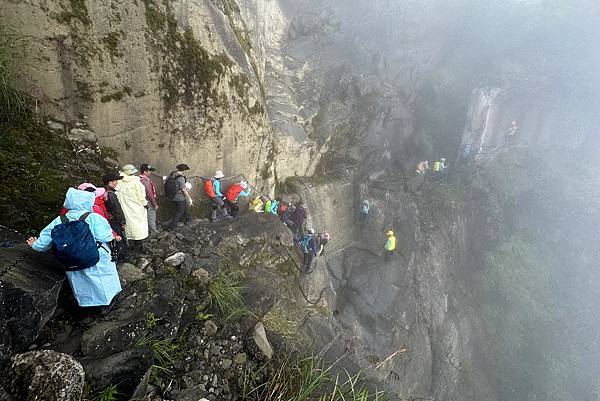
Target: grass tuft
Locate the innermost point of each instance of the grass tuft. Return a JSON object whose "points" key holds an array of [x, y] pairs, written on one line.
{"points": [[110, 393], [225, 293], [165, 354], [307, 379], [279, 321]]}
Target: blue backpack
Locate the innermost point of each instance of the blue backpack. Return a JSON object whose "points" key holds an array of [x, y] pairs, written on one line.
{"points": [[304, 244], [74, 245]]}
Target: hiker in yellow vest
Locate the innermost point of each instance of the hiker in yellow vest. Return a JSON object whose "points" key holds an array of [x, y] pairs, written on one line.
{"points": [[440, 166], [390, 245]]}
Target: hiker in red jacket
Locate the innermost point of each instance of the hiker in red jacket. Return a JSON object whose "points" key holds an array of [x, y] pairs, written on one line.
{"points": [[233, 192], [99, 203]]}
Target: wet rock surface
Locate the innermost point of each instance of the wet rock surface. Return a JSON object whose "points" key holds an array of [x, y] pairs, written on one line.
{"points": [[30, 283]]}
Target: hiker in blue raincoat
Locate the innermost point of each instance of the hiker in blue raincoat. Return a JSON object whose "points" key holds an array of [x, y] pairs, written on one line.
{"points": [[308, 248], [97, 285]]}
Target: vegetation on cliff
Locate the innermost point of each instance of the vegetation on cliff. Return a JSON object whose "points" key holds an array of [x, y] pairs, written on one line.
{"points": [[37, 163]]}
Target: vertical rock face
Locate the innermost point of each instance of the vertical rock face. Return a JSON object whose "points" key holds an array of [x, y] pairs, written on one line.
{"points": [[164, 82], [221, 84], [338, 72]]}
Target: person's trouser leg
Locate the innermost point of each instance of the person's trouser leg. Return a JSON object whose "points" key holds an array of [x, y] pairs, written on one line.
{"points": [[152, 219], [186, 213], [304, 261], [221, 203], [121, 246], [215, 205], [308, 262], [180, 211], [234, 208]]}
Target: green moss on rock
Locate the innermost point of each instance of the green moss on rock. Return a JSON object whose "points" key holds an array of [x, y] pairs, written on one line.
{"points": [[116, 96], [84, 91], [37, 165], [77, 10], [112, 42]]}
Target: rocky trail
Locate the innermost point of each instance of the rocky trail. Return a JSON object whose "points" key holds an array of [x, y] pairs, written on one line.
{"points": [[173, 334]]}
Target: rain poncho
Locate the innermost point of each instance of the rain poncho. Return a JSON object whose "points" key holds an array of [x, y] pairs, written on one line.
{"points": [[273, 207], [97, 285], [257, 205], [132, 197]]}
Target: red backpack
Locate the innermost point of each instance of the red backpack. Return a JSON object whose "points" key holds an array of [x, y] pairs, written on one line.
{"points": [[233, 192], [209, 188]]}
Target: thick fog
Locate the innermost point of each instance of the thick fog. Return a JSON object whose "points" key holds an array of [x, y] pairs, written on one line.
{"points": [[536, 279]]}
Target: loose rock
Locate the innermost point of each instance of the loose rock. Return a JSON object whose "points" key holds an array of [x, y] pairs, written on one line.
{"points": [[240, 358], [175, 259], [56, 126], [260, 338], [143, 263], [78, 134], [130, 273], [201, 275], [211, 328]]}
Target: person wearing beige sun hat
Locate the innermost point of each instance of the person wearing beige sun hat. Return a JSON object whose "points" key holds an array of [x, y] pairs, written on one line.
{"points": [[132, 197]]}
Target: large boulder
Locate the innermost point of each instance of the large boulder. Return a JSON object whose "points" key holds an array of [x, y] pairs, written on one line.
{"points": [[107, 338], [30, 282], [46, 376]]}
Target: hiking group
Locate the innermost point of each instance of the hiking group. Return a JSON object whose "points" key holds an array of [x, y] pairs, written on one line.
{"points": [[309, 243], [98, 226]]}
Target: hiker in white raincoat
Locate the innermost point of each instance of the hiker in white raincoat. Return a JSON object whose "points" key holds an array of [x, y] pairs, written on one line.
{"points": [[132, 196], [97, 285]]}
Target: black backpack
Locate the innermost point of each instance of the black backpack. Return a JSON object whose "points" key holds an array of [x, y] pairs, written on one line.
{"points": [[171, 187]]}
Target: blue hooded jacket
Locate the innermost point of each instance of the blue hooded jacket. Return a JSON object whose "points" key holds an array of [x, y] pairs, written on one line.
{"points": [[97, 285]]}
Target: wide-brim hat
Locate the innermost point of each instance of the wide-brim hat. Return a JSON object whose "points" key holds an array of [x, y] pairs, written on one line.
{"points": [[129, 169], [219, 174], [182, 167], [86, 186]]}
